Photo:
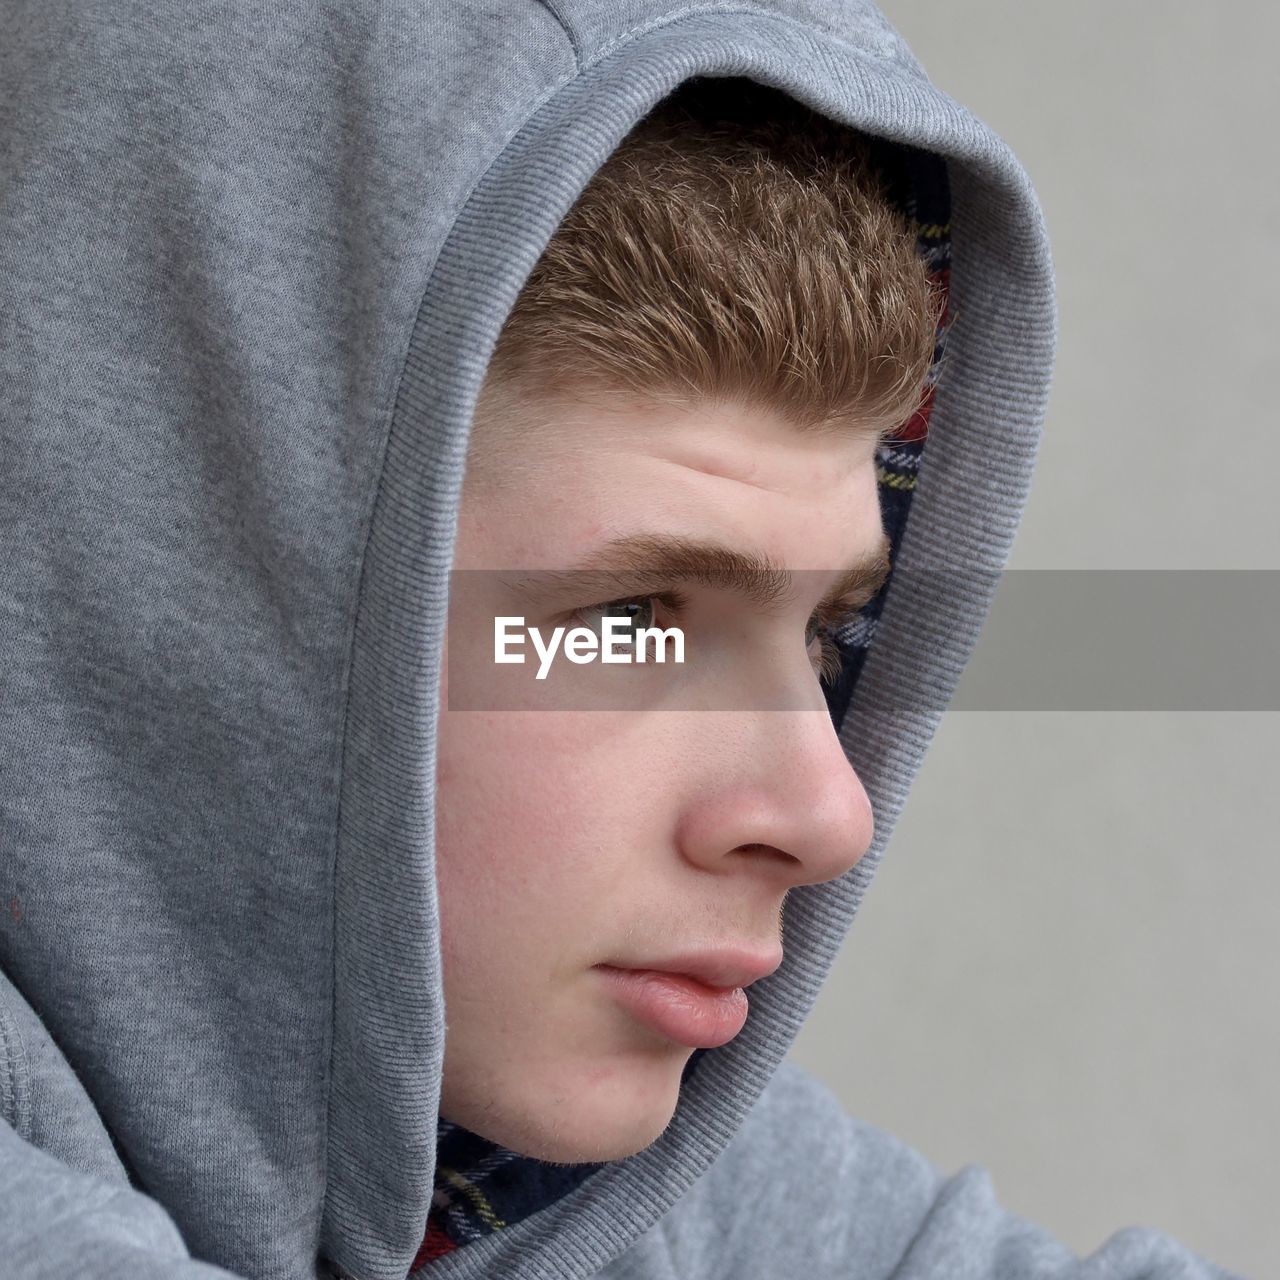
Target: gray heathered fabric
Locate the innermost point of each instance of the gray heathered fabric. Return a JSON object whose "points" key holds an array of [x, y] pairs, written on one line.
{"points": [[253, 262]]}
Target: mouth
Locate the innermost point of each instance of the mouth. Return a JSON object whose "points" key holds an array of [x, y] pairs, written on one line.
{"points": [[722, 969], [678, 1006]]}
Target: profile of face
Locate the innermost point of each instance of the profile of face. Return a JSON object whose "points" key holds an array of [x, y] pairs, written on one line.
{"points": [[572, 843]]}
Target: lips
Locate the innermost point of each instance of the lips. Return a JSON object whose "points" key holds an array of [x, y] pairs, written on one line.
{"points": [[695, 998], [678, 1007], [721, 970]]}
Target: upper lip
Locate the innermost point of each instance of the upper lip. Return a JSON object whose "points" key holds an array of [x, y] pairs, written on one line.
{"points": [[724, 967]]}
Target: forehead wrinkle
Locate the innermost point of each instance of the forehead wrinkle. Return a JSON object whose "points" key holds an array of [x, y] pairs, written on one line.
{"points": [[706, 469]]}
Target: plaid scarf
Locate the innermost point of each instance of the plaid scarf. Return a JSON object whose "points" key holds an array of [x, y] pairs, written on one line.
{"points": [[481, 1187]]}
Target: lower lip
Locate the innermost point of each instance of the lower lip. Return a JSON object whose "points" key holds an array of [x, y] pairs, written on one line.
{"points": [[680, 1008]]}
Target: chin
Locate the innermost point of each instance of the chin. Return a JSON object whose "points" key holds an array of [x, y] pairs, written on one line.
{"points": [[616, 1116]]}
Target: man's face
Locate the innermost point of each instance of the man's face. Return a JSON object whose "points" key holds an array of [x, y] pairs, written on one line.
{"points": [[572, 839]]}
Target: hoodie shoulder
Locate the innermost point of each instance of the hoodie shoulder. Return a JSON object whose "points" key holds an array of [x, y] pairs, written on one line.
{"points": [[804, 1188]]}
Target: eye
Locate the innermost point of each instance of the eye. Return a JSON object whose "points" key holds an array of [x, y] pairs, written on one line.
{"points": [[640, 611]]}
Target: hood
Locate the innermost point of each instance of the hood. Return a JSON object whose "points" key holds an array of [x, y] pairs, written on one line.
{"points": [[255, 261]]}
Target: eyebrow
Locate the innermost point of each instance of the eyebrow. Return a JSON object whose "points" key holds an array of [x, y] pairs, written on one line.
{"points": [[642, 561]]}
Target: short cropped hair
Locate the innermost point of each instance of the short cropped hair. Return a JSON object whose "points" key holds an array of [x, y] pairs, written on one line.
{"points": [[737, 246]]}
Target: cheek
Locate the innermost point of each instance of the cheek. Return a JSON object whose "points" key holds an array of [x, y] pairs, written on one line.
{"points": [[517, 823], [548, 835], [481, 803], [503, 774]]}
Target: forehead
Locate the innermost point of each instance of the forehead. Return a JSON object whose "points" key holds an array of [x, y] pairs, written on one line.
{"points": [[514, 437], [559, 480]]}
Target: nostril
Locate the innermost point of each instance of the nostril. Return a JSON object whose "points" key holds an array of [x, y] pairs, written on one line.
{"points": [[767, 848]]}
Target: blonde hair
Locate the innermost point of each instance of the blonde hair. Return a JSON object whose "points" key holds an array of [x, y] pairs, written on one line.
{"points": [[736, 246]]}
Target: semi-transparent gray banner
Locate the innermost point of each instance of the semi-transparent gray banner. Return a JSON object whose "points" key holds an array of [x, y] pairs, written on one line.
{"points": [[1128, 640], [1054, 640]]}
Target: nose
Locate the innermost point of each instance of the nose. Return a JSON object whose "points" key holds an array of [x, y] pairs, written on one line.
{"points": [[775, 791]]}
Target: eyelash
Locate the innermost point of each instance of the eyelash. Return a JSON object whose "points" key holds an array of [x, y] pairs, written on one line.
{"points": [[830, 662]]}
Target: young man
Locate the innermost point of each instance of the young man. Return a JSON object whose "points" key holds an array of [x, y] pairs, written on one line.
{"points": [[335, 946], [691, 388]]}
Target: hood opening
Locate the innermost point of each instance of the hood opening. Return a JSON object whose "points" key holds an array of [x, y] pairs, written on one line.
{"points": [[481, 1187]]}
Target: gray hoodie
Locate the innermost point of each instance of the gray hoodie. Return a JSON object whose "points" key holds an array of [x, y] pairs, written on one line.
{"points": [[253, 262]]}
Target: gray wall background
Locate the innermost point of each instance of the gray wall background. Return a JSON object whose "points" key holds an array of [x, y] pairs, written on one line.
{"points": [[1067, 969]]}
